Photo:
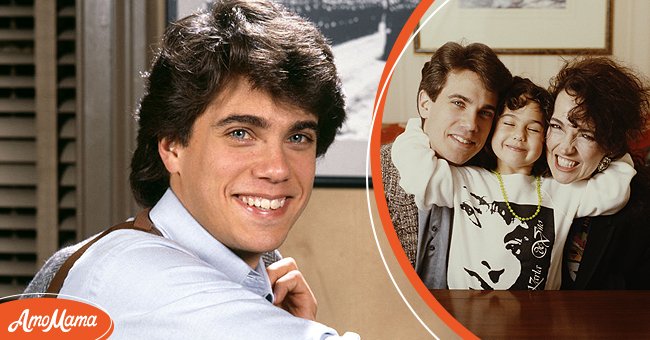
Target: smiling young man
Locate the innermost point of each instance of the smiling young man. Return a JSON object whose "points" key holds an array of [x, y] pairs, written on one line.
{"points": [[240, 101], [247, 170], [457, 99]]}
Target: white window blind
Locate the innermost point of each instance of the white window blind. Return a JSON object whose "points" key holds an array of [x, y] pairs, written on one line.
{"points": [[38, 129]]}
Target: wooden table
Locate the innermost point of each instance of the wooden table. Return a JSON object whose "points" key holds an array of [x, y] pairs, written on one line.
{"points": [[550, 314]]}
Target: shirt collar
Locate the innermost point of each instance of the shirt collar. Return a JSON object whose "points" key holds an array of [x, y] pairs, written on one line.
{"points": [[177, 224]]}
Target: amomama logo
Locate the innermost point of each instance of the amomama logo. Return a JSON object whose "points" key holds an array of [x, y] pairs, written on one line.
{"points": [[49, 318]]}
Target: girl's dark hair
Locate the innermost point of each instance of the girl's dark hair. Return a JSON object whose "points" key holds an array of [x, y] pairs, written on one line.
{"points": [[275, 50], [523, 92]]}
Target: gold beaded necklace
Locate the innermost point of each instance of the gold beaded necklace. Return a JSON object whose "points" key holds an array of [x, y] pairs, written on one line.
{"points": [[505, 197]]}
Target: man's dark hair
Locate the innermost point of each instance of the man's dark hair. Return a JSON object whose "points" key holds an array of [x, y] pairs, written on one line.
{"points": [[476, 57], [521, 93], [275, 50], [610, 96]]}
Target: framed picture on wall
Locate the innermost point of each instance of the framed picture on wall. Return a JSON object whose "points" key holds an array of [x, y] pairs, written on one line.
{"points": [[522, 26]]}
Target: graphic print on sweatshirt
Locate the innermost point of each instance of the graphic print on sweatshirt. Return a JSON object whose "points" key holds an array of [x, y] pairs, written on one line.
{"points": [[492, 249]]}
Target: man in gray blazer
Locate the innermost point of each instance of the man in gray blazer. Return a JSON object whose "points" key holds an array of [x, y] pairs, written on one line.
{"points": [[457, 100]]}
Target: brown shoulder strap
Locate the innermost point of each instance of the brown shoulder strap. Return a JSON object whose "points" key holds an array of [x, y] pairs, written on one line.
{"points": [[141, 222]]}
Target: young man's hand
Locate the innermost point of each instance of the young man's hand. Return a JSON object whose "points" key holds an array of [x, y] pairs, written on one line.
{"points": [[292, 293]]}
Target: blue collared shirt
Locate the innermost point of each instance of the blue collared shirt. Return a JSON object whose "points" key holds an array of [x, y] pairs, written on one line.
{"points": [[185, 285]]}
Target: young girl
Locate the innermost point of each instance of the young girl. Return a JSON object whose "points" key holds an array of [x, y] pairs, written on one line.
{"points": [[510, 224]]}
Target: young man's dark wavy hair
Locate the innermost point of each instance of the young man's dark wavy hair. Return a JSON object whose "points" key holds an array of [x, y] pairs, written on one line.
{"points": [[523, 92], [476, 57], [609, 96], [275, 50]]}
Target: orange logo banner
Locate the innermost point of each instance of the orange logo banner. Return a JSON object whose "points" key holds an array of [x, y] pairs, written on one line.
{"points": [[50, 318]]}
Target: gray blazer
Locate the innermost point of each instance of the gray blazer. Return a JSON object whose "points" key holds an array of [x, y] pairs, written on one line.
{"points": [[424, 235], [401, 206]]}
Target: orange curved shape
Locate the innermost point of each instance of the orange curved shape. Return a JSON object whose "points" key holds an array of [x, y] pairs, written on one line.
{"points": [[52, 318]]}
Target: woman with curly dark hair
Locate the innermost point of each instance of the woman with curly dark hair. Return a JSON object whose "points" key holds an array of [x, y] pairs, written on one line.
{"points": [[600, 108]]}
